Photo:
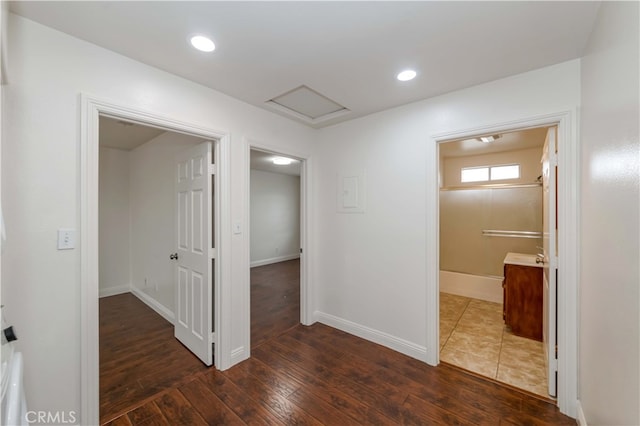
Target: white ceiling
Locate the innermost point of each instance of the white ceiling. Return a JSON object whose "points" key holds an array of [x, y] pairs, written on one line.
{"points": [[123, 135], [512, 141], [263, 161], [349, 52]]}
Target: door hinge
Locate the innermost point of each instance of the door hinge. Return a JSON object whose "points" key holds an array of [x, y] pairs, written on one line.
{"points": [[212, 169], [301, 250], [213, 253]]}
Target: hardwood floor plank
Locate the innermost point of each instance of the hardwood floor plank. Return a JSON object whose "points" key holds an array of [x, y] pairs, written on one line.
{"points": [[280, 384], [433, 414], [148, 413], [374, 400], [251, 412], [320, 409], [288, 412], [120, 421], [313, 384], [177, 410], [210, 408]]}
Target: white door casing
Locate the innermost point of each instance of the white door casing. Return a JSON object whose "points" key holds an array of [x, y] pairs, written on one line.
{"points": [[194, 251], [549, 245]]}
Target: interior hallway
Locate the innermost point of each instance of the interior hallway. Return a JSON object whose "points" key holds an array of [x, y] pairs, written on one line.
{"points": [[473, 336]]}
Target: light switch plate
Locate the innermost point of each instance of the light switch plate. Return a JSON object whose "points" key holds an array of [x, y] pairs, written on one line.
{"points": [[237, 228], [66, 239]]}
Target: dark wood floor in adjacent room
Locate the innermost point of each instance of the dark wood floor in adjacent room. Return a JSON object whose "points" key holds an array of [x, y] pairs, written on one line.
{"points": [[275, 300], [306, 375]]}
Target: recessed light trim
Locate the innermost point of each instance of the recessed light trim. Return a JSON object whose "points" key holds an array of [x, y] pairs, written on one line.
{"points": [[407, 75], [489, 139], [282, 161], [202, 43]]}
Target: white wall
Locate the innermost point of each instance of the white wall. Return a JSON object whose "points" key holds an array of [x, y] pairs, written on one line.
{"points": [[371, 267], [114, 226], [275, 217], [152, 193], [40, 178], [609, 304]]}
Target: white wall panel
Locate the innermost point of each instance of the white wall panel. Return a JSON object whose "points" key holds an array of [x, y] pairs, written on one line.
{"points": [[610, 295], [115, 232], [275, 216]]}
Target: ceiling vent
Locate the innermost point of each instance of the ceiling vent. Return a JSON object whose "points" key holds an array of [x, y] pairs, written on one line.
{"points": [[307, 105]]}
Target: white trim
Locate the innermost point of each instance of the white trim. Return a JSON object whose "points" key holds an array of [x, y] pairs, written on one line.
{"points": [[158, 307], [580, 418], [238, 355], [568, 242], [274, 260], [112, 291], [376, 336], [90, 110]]}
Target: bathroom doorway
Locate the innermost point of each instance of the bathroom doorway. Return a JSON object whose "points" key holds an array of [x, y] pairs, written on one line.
{"points": [[491, 212]]}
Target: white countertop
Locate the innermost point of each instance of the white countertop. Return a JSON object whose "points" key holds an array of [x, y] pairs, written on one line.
{"points": [[522, 260]]}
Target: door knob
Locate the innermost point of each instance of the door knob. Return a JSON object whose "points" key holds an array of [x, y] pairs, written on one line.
{"points": [[173, 256]]}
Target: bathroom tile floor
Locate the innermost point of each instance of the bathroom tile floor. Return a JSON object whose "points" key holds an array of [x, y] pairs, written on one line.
{"points": [[473, 336]]}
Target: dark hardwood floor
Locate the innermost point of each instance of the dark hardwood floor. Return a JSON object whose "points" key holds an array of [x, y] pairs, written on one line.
{"points": [[304, 375], [139, 357], [275, 300]]}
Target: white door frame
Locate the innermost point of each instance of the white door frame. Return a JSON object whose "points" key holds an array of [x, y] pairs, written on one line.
{"points": [[90, 111], [306, 295], [568, 243]]}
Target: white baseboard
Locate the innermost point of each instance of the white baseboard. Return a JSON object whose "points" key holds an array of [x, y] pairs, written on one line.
{"points": [[475, 286], [238, 355], [112, 291], [153, 304], [274, 260], [582, 421], [376, 336]]}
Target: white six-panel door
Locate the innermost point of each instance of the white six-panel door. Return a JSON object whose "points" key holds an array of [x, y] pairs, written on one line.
{"points": [[194, 252], [549, 243]]}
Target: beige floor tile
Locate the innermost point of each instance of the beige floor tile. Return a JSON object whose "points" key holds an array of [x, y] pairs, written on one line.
{"points": [[473, 336], [480, 346], [469, 362], [492, 331], [482, 305], [518, 358], [531, 380]]}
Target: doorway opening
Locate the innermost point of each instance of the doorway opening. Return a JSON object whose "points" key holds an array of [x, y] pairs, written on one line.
{"points": [[92, 111], [493, 307], [144, 226], [276, 259]]}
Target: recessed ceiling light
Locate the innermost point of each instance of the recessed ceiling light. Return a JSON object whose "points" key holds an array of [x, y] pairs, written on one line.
{"points": [[407, 75], [490, 138], [203, 43], [282, 161]]}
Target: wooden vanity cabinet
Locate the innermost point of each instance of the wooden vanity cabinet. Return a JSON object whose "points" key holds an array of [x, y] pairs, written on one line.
{"points": [[522, 306]]}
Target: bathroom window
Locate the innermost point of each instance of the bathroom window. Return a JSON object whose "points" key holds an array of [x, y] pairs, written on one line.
{"points": [[489, 173]]}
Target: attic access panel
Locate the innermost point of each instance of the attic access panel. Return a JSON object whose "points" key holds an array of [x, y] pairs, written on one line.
{"points": [[307, 104]]}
